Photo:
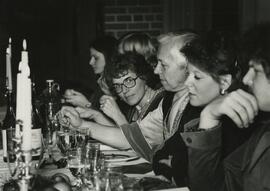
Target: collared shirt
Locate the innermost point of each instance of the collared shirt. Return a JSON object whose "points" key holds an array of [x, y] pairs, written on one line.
{"points": [[152, 126]]}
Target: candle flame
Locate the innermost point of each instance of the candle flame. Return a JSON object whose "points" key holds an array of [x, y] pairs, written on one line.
{"points": [[24, 44], [9, 40]]}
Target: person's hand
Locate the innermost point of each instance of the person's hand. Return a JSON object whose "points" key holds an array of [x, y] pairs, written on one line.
{"points": [[69, 117], [109, 106], [239, 105], [94, 115], [76, 98], [89, 113]]}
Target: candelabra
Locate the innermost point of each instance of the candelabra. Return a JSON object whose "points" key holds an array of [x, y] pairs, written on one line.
{"points": [[22, 163]]}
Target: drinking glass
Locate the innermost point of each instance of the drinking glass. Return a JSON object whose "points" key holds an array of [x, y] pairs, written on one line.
{"points": [[69, 140], [75, 164], [103, 181], [93, 160]]}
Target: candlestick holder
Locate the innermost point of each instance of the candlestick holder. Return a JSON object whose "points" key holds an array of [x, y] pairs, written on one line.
{"points": [[23, 161]]}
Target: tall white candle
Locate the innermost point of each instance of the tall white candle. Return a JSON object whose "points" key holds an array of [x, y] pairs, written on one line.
{"points": [[23, 111], [8, 67]]}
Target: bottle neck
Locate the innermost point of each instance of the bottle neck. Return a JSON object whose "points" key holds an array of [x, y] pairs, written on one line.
{"points": [[9, 100], [9, 97]]}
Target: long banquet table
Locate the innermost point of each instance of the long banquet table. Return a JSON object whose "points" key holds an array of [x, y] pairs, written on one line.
{"points": [[133, 166]]}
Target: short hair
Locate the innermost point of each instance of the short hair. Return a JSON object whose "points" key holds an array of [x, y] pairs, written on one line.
{"points": [[130, 61], [176, 40], [255, 45], [138, 42], [215, 53]]}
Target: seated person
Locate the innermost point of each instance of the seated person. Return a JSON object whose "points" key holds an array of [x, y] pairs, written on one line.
{"points": [[248, 167], [141, 43], [101, 51], [130, 79], [150, 132], [212, 73]]}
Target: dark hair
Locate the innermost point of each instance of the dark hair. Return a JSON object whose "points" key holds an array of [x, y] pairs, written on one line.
{"points": [[107, 45], [255, 45], [130, 61], [215, 52]]}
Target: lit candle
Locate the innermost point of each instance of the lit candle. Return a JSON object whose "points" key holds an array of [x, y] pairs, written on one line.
{"points": [[8, 67], [23, 110]]}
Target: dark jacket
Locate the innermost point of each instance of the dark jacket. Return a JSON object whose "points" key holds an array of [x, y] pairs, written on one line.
{"points": [[245, 169], [231, 138], [176, 148]]}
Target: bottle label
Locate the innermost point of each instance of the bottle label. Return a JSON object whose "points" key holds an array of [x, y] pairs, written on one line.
{"points": [[8, 143], [36, 142], [4, 139]]}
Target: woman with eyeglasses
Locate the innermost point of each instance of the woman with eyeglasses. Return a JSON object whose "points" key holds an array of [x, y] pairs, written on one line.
{"points": [[131, 79]]}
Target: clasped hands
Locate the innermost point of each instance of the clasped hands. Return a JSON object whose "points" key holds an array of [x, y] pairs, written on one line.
{"points": [[238, 105]]}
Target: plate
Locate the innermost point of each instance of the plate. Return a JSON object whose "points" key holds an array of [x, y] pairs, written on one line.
{"points": [[119, 156]]}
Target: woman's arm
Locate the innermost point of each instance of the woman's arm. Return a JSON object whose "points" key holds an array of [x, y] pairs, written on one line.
{"points": [[109, 106], [239, 105], [94, 115], [109, 135], [76, 98]]}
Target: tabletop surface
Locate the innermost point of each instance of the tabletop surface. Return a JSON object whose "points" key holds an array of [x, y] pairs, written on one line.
{"points": [[134, 167]]}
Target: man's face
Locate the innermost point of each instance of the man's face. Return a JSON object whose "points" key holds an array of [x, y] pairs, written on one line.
{"points": [[256, 79], [171, 68]]}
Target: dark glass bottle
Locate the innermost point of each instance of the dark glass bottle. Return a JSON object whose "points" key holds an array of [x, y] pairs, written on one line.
{"points": [[37, 125], [8, 130]]}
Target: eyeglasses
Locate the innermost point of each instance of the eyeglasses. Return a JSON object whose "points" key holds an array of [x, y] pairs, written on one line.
{"points": [[128, 83]]}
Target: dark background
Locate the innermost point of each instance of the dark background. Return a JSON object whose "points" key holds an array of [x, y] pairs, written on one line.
{"points": [[58, 32]]}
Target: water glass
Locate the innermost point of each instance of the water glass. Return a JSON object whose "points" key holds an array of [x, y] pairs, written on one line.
{"points": [[103, 181], [75, 162], [93, 156]]}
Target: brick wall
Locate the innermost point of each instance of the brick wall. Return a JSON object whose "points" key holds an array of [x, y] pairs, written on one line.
{"points": [[122, 16]]}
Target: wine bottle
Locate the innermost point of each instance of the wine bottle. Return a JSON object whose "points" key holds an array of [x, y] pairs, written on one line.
{"points": [[8, 130], [37, 125]]}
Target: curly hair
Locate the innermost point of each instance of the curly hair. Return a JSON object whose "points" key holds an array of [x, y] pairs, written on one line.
{"points": [[215, 53], [121, 64]]}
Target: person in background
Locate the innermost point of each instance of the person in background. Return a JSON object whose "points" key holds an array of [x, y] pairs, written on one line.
{"points": [[212, 73], [101, 51], [248, 167], [138, 42], [150, 132]]}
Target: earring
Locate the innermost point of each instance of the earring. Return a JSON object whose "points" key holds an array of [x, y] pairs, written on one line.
{"points": [[222, 92]]}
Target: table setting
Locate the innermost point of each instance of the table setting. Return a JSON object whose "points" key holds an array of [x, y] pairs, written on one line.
{"points": [[66, 159]]}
